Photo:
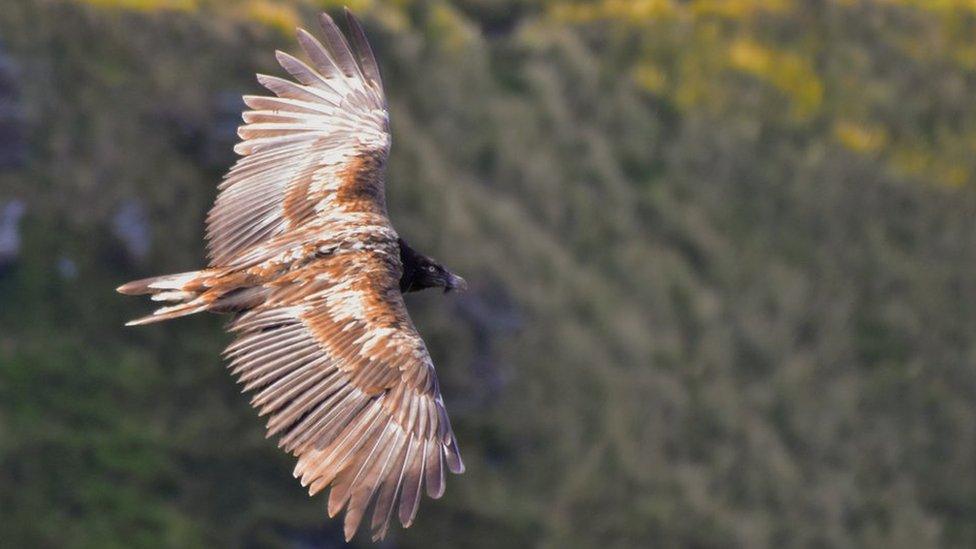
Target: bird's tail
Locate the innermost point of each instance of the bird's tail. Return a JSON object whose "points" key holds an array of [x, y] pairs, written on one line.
{"points": [[186, 293]]}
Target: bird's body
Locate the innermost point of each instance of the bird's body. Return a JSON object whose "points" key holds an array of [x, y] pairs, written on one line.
{"points": [[302, 252]]}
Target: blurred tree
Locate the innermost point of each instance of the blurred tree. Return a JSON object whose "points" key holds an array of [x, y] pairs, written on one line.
{"points": [[730, 244]]}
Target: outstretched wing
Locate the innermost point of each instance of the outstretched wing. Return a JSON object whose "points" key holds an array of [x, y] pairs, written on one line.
{"points": [[349, 387], [315, 150]]}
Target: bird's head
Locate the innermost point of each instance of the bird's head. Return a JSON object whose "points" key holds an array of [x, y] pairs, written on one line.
{"points": [[421, 272], [430, 274]]}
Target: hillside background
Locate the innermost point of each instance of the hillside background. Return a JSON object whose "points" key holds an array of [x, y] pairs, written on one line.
{"points": [[722, 256]]}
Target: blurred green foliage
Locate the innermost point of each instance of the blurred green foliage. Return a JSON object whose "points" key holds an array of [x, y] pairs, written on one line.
{"points": [[731, 246]]}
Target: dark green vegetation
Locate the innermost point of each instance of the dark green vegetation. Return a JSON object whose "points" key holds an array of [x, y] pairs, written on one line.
{"points": [[722, 269]]}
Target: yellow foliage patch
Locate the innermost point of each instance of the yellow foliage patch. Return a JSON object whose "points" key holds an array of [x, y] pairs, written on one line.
{"points": [[145, 5], [737, 9], [628, 11], [650, 78], [453, 30], [859, 137], [952, 175], [943, 6], [276, 15], [932, 164], [785, 70]]}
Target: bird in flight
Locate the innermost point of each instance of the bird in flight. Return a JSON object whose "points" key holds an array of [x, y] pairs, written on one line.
{"points": [[303, 254]]}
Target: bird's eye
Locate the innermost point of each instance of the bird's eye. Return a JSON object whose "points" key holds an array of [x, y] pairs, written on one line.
{"points": [[430, 268]]}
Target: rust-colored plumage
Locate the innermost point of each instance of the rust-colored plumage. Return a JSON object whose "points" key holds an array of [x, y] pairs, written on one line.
{"points": [[303, 254]]}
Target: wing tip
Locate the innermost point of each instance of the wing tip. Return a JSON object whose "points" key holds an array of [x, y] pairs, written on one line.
{"points": [[326, 21], [305, 37], [350, 17]]}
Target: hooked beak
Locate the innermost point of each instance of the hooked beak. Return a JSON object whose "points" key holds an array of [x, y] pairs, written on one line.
{"points": [[454, 282]]}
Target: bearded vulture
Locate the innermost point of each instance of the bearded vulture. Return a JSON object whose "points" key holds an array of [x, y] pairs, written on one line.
{"points": [[303, 254]]}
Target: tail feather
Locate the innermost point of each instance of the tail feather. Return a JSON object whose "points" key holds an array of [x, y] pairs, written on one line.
{"points": [[177, 281], [166, 313], [173, 295], [192, 292], [187, 293]]}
